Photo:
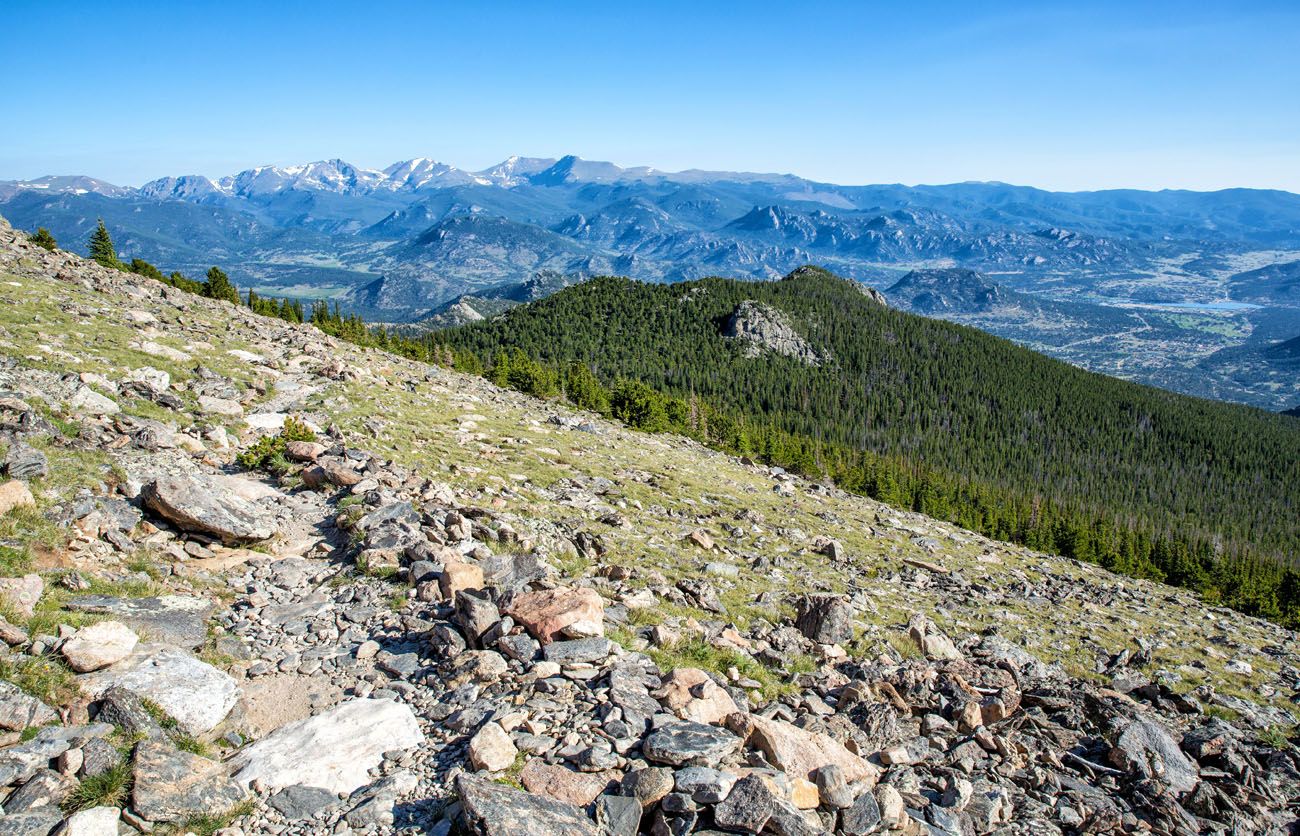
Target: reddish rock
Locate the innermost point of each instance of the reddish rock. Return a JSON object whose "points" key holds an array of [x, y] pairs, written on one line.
{"points": [[22, 594], [798, 752], [552, 614], [701, 538], [457, 576], [562, 783], [14, 494], [692, 695], [303, 451]]}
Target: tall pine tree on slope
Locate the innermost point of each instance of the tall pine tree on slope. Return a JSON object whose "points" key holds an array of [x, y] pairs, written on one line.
{"points": [[101, 247], [219, 286]]}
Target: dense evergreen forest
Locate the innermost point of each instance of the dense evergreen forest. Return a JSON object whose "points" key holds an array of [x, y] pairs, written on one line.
{"points": [[933, 416]]}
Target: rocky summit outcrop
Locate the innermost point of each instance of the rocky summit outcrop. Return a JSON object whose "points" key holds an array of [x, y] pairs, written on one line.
{"points": [[760, 327], [462, 610]]}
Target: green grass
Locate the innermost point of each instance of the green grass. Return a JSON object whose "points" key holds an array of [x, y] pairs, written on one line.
{"points": [[697, 653], [1278, 737], [107, 789], [31, 732], [510, 777], [207, 825], [1225, 714], [159, 714], [193, 745], [381, 572], [47, 679], [29, 528], [14, 561]]}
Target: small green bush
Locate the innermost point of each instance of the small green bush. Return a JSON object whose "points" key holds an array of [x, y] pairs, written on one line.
{"points": [[43, 238], [267, 453]]}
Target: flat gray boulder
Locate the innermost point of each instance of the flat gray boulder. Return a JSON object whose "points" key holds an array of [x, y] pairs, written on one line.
{"points": [[1147, 748], [18, 709], [208, 506], [689, 744], [35, 823], [492, 809], [181, 620]]}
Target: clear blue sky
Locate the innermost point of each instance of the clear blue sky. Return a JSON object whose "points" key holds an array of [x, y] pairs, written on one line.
{"points": [[1068, 96]]}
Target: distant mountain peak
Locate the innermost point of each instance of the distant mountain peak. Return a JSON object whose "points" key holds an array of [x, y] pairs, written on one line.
{"points": [[515, 170]]}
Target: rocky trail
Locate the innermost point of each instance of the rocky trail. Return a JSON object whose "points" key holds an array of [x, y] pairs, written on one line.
{"points": [[447, 608]]}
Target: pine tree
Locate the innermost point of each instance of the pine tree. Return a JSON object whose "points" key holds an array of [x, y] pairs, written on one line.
{"points": [[101, 247], [218, 286], [43, 238]]}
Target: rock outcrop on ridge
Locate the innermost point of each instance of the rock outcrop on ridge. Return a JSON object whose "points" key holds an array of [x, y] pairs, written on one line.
{"points": [[463, 610]]}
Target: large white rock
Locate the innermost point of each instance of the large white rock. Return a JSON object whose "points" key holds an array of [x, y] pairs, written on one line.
{"points": [[164, 351], [220, 406], [336, 749], [87, 401], [266, 421], [155, 380], [99, 646], [492, 749], [195, 694], [97, 821]]}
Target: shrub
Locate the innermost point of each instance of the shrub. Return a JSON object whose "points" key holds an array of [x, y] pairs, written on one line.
{"points": [[639, 406], [143, 268], [584, 390], [219, 286], [267, 453], [43, 238]]}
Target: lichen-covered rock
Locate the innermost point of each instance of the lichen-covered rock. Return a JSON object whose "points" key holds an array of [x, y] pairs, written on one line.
{"points": [[208, 506], [689, 744], [172, 785], [1148, 749], [492, 809], [22, 594]]}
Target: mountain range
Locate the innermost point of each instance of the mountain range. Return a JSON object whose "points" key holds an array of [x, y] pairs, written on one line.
{"points": [[1159, 281]]}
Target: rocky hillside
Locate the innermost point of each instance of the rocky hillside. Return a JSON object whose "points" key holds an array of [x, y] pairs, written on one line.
{"points": [[261, 581]]}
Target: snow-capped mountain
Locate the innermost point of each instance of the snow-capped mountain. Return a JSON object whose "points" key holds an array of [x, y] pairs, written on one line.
{"points": [[192, 187], [62, 184], [326, 176], [422, 172], [515, 171]]}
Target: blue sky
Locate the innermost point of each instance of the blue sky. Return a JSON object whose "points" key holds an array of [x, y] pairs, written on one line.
{"points": [[1064, 96]]}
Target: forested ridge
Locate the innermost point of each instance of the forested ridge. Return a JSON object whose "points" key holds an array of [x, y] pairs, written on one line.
{"points": [[938, 417]]}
